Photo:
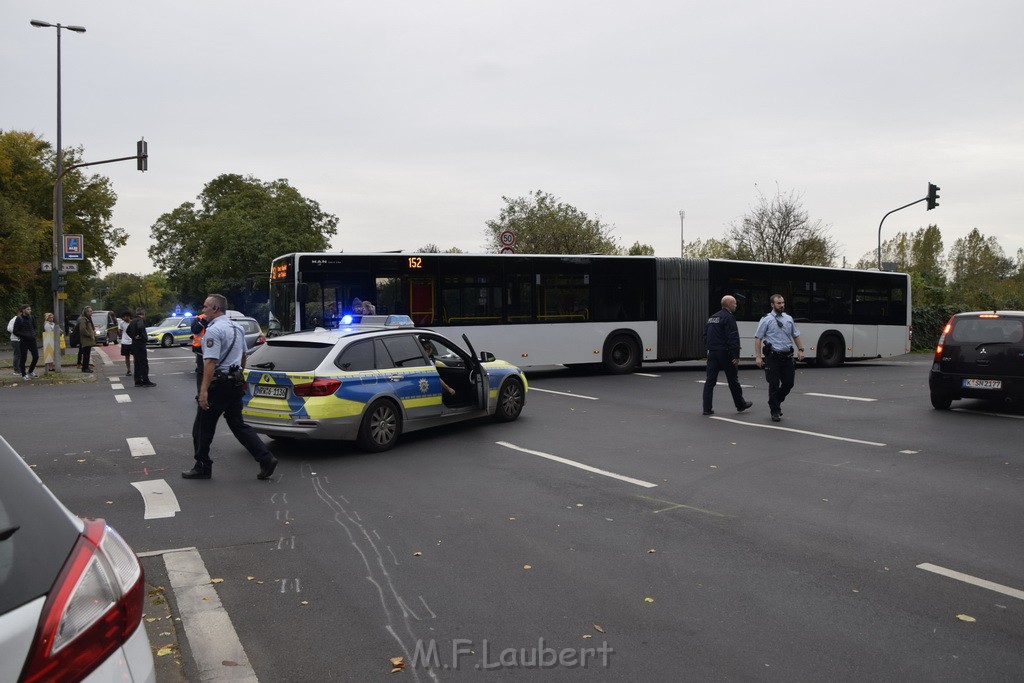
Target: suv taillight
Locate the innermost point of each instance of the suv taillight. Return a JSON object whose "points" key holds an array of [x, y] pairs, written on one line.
{"points": [[318, 387], [260, 340], [942, 340], [93, 608]]}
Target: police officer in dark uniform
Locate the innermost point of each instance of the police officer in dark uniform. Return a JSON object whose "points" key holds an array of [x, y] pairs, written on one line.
{"points": [[723, 340], [221, 393]]}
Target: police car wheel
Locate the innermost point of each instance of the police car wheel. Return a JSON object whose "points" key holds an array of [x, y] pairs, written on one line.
{"points": [[381, 425], [166, 341], [510, 401]]}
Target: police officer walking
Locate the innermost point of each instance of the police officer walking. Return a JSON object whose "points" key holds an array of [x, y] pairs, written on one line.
{"points": [[778, 336], [723, 340], [221, 393]]}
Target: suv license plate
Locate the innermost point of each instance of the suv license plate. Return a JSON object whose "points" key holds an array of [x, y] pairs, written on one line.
{"points": [[270, 392], [983, 384]]}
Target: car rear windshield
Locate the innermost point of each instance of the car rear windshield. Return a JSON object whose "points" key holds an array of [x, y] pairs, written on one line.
{"points": [[36, 534], [289, 356], [988, 330]]}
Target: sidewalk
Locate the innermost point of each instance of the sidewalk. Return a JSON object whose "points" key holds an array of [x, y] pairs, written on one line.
{"points": [[69, 373]]}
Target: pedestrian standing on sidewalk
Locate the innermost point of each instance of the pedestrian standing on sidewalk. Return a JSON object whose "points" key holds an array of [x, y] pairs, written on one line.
{"points": [[49, 352], [25, 328], [15, 347], [86, 338], [723, 340], [125, 341]]}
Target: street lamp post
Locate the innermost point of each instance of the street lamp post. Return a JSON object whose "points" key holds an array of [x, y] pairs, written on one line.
{"points": [[58, 204]]}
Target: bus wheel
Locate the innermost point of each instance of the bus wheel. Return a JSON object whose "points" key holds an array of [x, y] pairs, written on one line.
{"points": [[381, 425], [621, 355], [510, 401], [830, 351]]}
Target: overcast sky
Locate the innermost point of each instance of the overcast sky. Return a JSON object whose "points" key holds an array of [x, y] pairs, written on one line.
{"points": [[409, 120]]}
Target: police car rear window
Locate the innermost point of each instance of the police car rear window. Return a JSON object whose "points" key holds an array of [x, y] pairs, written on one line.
{"points": [[285, 356]]}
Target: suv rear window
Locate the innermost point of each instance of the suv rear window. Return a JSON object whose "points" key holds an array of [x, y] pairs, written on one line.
{"points": [[987, 331], [285, 356]]}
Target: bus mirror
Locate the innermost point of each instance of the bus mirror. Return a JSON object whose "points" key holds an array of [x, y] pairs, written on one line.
{"points": [[486, 357]]}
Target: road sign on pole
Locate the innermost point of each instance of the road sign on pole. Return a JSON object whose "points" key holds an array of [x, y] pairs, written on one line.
{"points": [[508, 250], [74, 248], [507, 238]]}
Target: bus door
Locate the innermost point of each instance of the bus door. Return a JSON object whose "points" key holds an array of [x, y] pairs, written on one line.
{"points": [[421, 300]]}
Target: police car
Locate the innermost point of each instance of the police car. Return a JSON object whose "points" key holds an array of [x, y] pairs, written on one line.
{"points": [[373, 382], [171, 331]]}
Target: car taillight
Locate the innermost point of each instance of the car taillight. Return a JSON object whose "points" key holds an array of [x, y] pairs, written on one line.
{"points": [[260, 340], [318, 387], [93, 608], [942, 340]]}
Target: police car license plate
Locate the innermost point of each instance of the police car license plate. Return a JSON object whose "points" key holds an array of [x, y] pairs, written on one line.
{"points": [[983, 384], [270, 392]]}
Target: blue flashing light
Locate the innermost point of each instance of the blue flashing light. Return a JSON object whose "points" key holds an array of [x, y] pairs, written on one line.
{"points": [[346, 319]]}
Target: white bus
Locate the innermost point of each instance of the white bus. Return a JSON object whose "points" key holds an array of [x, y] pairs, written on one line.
{"points": [[619, 311]]}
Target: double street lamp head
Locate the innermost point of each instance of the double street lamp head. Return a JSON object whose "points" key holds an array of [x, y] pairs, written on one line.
{"points": [[46, 24]]}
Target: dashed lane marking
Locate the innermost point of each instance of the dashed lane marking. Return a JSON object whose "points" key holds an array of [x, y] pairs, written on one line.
{"points": [[122, 398], [564, 393], [158, 497], [573, 463], [797, 431], [140, 446], [845, 398], [973, 580]]}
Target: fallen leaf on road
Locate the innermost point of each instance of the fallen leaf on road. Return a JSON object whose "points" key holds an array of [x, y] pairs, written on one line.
{"points": [[648, 599], [216, 580], [967, 618], [597, 627], [165, 650], [527, 566]]}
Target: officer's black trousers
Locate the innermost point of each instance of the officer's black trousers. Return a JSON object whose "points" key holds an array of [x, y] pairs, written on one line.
{"points": [[780, 371], [225, 400], [721, 361], [141, 356]]}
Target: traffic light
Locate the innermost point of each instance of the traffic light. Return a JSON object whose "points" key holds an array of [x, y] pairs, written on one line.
{"points": [[142, 155], [933, 196]]}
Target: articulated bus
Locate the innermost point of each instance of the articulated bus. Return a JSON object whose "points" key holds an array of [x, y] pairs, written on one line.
{"points": [[619, 311]]}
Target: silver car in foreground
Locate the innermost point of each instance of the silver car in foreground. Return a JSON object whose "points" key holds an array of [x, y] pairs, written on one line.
{"points": [[71, 590]]}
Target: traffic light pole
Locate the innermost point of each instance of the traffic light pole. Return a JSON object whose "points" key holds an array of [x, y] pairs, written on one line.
{"points": [[58, 237], [878, 253]]}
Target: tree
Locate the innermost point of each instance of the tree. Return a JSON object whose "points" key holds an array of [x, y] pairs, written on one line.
{"points": [[545, 225], [238, 226], [128, 291], [921, 255], [712, 248], [640, 250], [779, 230], [432, 248], [26, 218], [979, 267]]}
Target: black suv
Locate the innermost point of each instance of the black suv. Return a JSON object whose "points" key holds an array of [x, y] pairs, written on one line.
{"points": [[979, 355]]}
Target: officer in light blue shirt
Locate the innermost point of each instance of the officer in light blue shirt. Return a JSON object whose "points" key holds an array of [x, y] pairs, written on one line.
{"points": [[779, 338], [221, 393]]}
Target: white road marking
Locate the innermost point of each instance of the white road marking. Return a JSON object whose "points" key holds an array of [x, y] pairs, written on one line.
{"points": [[159, 498], [645, 374], [122, 398], [985, 412], [140, 446], [573, 463], [797, 431], [211, 636], [724, 384], [563, 393], [846, 398], [973, 580], [117, 387]]}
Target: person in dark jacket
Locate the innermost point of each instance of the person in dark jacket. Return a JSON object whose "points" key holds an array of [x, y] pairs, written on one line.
{"points": [[25, 330], [86, 338], [137, 333], [723, 340]]}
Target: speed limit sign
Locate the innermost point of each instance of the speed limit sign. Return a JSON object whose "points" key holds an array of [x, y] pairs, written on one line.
{"points": [[508, 250], [507, 238]]}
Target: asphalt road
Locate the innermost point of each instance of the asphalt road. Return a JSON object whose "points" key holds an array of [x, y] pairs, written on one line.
{"points": [[612, 532]]}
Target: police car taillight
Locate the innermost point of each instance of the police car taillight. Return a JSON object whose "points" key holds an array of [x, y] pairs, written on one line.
{"points": [[318, 387]]}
